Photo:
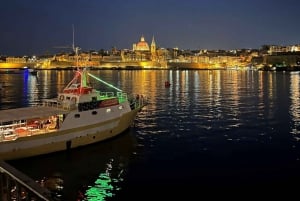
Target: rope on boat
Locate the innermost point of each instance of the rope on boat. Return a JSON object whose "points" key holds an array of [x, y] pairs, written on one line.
{"points": [[110, 85]]}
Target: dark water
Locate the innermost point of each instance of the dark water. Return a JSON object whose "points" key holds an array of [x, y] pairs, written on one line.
{"points": [[211, 134]]}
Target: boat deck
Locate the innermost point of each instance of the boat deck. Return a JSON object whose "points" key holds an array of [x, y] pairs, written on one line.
{"points": [[22, 122], [13, 131]]}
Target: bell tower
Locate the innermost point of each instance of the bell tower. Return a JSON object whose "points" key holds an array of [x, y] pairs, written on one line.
{"points": [[153, 50], [153, 46]]}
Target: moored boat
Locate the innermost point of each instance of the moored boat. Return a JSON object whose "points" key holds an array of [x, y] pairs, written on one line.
{"points": [[33, 71], [80, 115]]}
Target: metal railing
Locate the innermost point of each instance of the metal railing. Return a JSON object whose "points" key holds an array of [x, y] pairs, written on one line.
{"points": [[16, 186]]}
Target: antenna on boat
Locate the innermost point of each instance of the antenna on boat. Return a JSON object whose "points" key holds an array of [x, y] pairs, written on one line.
{"points": [[75, 49]]}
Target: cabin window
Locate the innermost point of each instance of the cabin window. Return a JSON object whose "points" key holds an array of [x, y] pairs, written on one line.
{"points": [[94, 112], [68, 98], [7, 123], [121, 107], [108, 110], [77, 115]]}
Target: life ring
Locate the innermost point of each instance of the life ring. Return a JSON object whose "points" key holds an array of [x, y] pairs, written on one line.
{"points": [[62, 97]]}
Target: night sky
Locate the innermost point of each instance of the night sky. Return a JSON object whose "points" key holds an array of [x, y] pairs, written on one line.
{"points": [[36, 27]]}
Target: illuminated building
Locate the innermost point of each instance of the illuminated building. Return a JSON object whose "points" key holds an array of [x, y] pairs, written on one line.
{"points": [[142, 45]]}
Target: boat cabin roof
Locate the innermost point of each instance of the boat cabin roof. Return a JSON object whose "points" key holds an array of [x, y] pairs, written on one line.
{"points": [[25, 113]]}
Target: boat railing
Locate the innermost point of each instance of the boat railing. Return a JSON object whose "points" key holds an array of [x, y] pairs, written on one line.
{"points": [[122, 96], [52, 103], [107, 94], [66, 104], [15, 185], [138, 101]]}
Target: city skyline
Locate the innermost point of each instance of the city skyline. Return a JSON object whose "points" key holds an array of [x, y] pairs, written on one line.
{"points": [[31, 27]]}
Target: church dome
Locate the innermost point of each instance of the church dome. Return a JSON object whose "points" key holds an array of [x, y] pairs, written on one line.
{"points": [[142, 45]]}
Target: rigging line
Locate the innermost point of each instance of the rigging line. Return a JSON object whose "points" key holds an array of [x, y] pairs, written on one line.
{"points": [[110, 85]]}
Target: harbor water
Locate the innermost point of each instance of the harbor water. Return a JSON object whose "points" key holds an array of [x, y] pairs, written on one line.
{"points": [[210, 133]]}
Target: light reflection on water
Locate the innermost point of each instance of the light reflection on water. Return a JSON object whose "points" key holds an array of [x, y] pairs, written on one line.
{"points": [[295, 104], [225, 129]]}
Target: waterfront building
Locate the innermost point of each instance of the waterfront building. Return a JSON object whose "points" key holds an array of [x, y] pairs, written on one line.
{"points": [[141, 55], [141, 51], [142, 45]]}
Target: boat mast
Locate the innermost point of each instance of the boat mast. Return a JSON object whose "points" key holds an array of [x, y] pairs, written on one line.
{"points": [[75, 49]]}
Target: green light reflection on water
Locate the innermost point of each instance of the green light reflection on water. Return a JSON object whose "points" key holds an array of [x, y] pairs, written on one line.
{"points": [[103, 187]]}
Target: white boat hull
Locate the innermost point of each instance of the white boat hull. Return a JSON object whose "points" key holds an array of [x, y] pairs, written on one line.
{"points": [[66, 139]]}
